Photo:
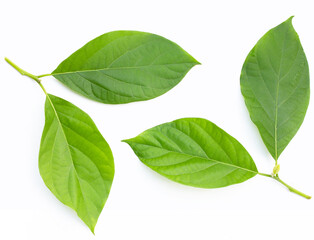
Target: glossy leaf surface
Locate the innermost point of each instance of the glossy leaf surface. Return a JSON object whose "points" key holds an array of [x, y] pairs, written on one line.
{"points": [[275, 86], [195, 152], [125, 66], [75, 161]]}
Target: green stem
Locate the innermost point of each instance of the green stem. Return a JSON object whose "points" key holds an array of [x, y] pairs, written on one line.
{"points": [[21, 71], [24, 73], [291, 189]]}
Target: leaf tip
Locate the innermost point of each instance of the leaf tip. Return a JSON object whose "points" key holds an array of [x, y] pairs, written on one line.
{"points": [[290, 19], [91, 227], [197, 62]]}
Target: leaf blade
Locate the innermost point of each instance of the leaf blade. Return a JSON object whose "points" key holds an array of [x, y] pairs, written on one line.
{"points": [[275, 86], [194, 152], [125, 66], [75, 161]]}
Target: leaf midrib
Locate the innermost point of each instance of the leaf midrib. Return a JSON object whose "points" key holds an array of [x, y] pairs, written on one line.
{"points": [[189, 155], [68, 147], [119, 68], [277, 96]]}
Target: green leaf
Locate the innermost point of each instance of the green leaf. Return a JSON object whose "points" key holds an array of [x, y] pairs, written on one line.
{"points": [[275, 85], [125, 66], [195, 152], [75, 161]]}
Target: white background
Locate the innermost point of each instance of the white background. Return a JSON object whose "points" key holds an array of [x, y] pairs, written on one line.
{"points": [[38, 35]]}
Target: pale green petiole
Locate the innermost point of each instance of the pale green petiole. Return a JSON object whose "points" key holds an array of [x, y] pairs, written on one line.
{"points": [[44, 75]]}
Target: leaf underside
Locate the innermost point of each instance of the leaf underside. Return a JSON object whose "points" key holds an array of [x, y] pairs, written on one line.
{"points": [[275, 85], [194, 152], [75, 161], [125, 66]]}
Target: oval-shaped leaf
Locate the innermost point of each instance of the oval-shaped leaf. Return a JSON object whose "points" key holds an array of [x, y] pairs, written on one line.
{"points": [[275, 86], [195, 152], [125, 66], [75, 161]]}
